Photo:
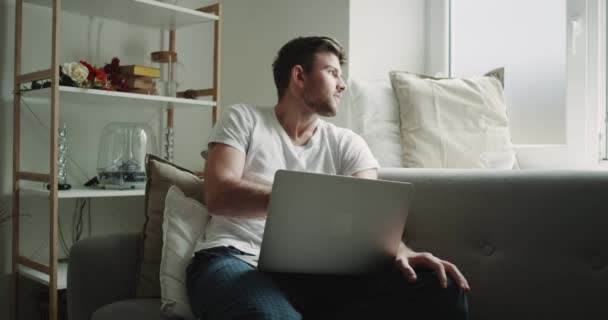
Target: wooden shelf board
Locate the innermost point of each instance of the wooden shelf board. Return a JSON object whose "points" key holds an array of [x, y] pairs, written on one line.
{"points": [[104, 98], [149, 13], [84, 192], [62, 275]]}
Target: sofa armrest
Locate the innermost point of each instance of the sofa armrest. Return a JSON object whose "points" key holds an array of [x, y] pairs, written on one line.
{"points": [[101, 270]]}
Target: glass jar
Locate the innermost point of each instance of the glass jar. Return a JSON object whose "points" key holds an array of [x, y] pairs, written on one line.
{"points": [[122, 153], [171, 72]]}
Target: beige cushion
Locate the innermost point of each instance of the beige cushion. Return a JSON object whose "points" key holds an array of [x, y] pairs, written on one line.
{"points": [[161, 175], [375, 113], [453, 122], [183, 224]]}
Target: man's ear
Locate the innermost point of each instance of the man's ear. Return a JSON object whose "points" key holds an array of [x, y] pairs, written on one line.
{"points": [[298, 75]]}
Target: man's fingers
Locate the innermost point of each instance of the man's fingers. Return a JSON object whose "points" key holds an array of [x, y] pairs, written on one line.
{"points": [[457, 275], [407, 271], [440, 269]]}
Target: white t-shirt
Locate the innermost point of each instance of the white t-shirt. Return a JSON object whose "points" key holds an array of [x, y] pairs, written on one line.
{"points": [[257, 132]]}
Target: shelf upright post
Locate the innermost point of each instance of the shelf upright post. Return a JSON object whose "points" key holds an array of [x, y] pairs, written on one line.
{"points": [[16, 167], [53, 161], [217, 10], [170, 105]]}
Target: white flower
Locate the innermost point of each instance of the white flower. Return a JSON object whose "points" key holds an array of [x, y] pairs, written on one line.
{"points": [[76, 71]]}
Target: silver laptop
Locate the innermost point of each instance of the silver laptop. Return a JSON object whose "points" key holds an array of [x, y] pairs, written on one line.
{"points": [[328, 224]]}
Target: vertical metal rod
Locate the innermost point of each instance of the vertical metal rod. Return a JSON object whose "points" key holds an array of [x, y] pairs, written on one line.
{"points": [[216, 63], [170, 105], [53, 162], [14, 301]]}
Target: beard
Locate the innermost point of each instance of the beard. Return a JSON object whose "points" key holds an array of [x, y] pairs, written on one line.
{"points": [[322, 106]]}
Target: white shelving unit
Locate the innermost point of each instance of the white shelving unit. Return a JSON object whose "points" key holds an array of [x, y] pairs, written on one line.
{"points": [[102, 97], [84, 192], [43, 278], [148, 13]]}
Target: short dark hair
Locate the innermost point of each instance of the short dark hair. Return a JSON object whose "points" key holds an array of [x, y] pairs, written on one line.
{"points": [[301, 51]]}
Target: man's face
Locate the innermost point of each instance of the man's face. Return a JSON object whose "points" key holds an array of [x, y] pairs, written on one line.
{"points": [[323, 85]]}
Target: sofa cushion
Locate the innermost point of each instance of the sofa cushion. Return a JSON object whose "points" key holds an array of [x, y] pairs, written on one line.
{"points": [[453, 122], [134, 309], [374, 112], [161, 175], [532, 243], [183, 224]]}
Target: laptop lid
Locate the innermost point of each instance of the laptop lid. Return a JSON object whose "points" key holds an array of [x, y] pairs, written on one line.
{"points": [[329, 224]]}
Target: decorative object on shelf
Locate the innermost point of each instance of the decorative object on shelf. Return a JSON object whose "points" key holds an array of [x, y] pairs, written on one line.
{"points": [[169, 144], [170, 70], [39, 84], [143, 71], [35, 85], [82, 75], [62, 160], [131, 78], [140, 84], [121, 157], [117, 80], [194, 94]]}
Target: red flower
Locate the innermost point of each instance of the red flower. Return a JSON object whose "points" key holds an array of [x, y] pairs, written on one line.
{"points": [[100, 75], [112, 73], [91, 75]]}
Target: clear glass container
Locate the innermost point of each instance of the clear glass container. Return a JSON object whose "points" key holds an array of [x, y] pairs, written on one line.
{"points": [[122, 152], [172, 72]]}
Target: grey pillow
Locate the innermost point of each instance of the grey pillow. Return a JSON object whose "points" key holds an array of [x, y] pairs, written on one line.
{"points": [[161, 175]]}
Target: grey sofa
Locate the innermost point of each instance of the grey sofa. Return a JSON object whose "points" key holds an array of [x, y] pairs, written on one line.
{"points": [[533, 244]]}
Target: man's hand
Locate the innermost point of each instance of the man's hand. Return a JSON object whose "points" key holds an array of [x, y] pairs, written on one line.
{"points": [[407, 260]]}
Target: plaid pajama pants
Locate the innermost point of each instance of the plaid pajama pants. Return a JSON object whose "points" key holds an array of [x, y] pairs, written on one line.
{"points": [[221, 286]]}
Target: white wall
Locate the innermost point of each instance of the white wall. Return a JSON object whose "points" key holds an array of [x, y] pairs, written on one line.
{"points": [[254, 31], [386, 35]]}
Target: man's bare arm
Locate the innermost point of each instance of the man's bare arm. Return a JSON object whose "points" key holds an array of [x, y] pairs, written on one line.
{"points": [[367, 174], [226, 193]]}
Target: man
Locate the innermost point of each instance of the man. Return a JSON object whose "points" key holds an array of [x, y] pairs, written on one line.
{"points": [[246, 148]]}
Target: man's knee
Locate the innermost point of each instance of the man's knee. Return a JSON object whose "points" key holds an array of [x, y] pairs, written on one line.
{"points": [[451, 302], [256, 310], [456, 301]]}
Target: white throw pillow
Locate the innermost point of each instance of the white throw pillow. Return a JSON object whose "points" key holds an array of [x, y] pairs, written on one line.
{"points": [[183, 223], [453, 122], [374, 111]]}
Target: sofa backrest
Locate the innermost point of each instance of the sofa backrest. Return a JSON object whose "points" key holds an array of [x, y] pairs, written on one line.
{"points": [[533, 244]]}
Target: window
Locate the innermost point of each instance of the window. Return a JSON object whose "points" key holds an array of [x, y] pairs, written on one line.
{"points": [[485, 35], [554, 55], [603, 81]]}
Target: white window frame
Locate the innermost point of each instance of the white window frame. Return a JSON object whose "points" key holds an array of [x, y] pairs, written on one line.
{"points": [[586, 107], [603, 83]]}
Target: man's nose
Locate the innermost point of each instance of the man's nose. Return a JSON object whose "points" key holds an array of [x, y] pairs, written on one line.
{"points": [[341, 85]]}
